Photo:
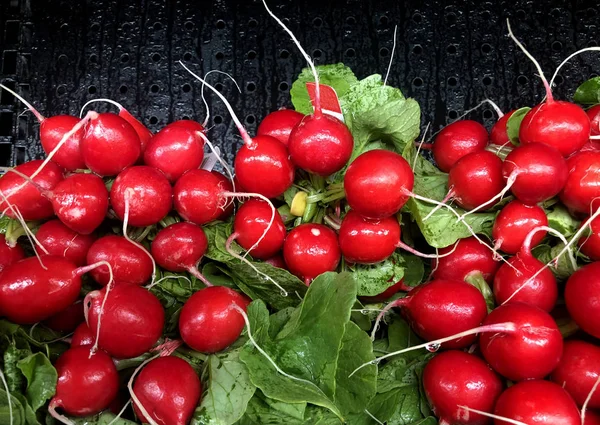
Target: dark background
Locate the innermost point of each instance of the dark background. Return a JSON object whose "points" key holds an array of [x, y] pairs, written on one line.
{"points": [[450, 56]]}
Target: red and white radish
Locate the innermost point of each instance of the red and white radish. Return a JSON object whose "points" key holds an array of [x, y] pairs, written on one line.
{"points": [[581, 298], [279, 124], [582, 188], [59, 240], [467, 256], [513, 224], [457, 140]]}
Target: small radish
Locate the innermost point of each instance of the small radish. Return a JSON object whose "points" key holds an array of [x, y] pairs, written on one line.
{"points": [[68, 319], [9, 254], [110, 144], [129, 262], [208, 323], [513, 224], [199, 196], [311, 249], [128, 320], [59, 240], [277, 261], [148, 193], [581, 297], [498, 134], [454, 378], [457, 140], [578, 371], [537, 403], [530, 352], [87, 383], [279, 124], [168, 389], [590, 243], [226, 183], [466, 256], [83, 335], [593, 114], [582, 186]]}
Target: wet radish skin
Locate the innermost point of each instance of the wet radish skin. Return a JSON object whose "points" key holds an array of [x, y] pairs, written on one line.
{"points": [[279, 124], [513, 224], [457, 140], [469, 256], [365, 241], [582, 299]]}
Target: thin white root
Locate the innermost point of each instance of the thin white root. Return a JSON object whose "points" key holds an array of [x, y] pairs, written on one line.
{"points": [[373, 417], [116, 418], [58, 416], [196, 273], [596, 137], [381, 315], [34, 111], [165, 278], [509, 183], [447, 198], [205, 123], [571, 56], [588, 399], [112, 102], [387, 74], [491, 415], [8, 396], [221, 161], [136, 401], [527, 242], [414, 165]]}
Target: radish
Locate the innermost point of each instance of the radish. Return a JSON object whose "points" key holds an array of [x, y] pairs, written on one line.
{"points": [[590, 243], [83, 335], [468, 256], [68, 319], [514, 223], [578, 371], [128, 319], [110, 144], [311, 249], [169, 390], [582, 188], [227, 185], [454, 378], [59, 240], [457, 140], [593, 114], [208, 323], [531, 352], [279, 124], [148, 193], [87, 383], [130, 263], [9, 254], [498, 134], [277, 261], [581, 297], [191, 124]]}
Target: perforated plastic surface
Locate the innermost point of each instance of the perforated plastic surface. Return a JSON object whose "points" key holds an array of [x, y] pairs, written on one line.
{"points": [[450, 56]]}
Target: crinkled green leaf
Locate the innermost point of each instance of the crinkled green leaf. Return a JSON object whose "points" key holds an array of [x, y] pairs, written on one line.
{"points": [[41, 379], [476, 279], [560, 219], [546, 253], [11, 357], [588, 93], [374, 279], [514, 123], [22, 413]]}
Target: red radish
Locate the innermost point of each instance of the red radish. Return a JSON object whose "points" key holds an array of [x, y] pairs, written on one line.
{"points": [[578, 371], [498, 134], [87, 383], [537, 403], [513, 224], [83, 335], [59, 240], [311, 249], [581, 297], [226, 183], [454, 378], [582, 188], [110, 144], [387, 294], [129, 262], [466, 256], [279, 124], [9, 254], [593, 114], [169, 390], [530, 352], [148, 193], [188, 124], [131, 319], [590, 243], [208, 323], [277, 261], [457, 140], [68, 319], [26, 196], [199, 196]]}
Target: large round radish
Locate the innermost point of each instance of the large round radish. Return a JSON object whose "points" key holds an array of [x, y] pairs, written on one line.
{"points": [[132, 319], [199, 196], [365, 241], [249, 225], [9, 254], [581, 296], [168, 389], [463, 258], [514, 223], [532, 351], [83, 335], [68, 319], [208, 323], [279, 124], [129, 262], [582, 186], [578, 371], [311, 249], [498, 134], [59, 240], [147, 193], [455, 378], [457, 140], [590, 243]]}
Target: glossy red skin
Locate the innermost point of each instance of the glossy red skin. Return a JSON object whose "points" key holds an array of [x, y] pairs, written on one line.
{"points": [[531, 352], [589, 244], [543, 172], [52, 130], [582, 296], [320, 144], [198, 196], [142, 131], [68, 319], [514, 223], [175, 150], [264, 167], [29, 200], [376, 183], [81, 201], [110, 144], [9, 255], [442, 308], [59, 240], [498, 135], [130, 264], [593, 114], [537, 403], [481, 170], [469, 256], [207, 322], [279, 124], [311, 249], [364, 241], [582, 186], [277, 261], [387, 294], [226, 185], [169, 390], [83, 335], [249, 224], [188, 124], [541, 292], [179, 247], [455, 378], [457, 140], [578, 371], [562, 125], [30, 294], [86, 384], [151, 199], [132, 321]]}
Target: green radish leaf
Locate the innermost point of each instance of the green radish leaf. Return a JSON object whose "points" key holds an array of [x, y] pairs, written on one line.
{"points": [[476, 279], [400, 336], [22, 413], [588, 93], [546, 253], [374, 279], [560, 219], [513, 124], [41, 379]]}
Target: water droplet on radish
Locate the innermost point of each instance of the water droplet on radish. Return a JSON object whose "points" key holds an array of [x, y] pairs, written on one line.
{"points": [[315, 232], [432, 348]]}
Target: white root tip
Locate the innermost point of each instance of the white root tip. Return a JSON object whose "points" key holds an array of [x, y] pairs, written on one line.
{"points": [[205, 122], [571, 56], [61, 418], [387, 74], [112, 102]]}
